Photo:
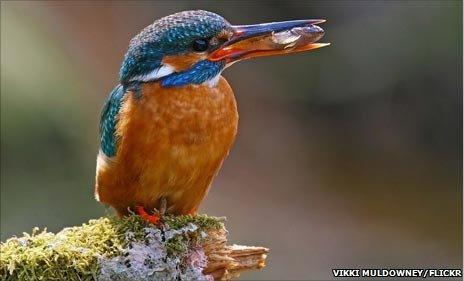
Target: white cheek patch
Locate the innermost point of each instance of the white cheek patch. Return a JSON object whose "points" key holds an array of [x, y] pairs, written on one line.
{"points": [[162, 71], [166, 70]]}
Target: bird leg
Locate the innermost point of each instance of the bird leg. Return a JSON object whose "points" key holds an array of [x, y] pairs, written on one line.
{"points": [[157, 215], [163, 205]]}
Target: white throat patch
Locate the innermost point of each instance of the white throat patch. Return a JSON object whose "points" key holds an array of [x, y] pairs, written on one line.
{"points": [[213, 81]]}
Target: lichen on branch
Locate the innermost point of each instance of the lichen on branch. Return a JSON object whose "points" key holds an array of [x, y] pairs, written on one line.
{"points": [[185, 248]]}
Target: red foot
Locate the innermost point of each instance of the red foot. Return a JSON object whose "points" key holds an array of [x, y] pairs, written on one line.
{"points": [[154, 219]]}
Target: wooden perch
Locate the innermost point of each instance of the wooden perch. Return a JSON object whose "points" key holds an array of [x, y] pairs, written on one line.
{"points": [[226, 262], [186, 248]]}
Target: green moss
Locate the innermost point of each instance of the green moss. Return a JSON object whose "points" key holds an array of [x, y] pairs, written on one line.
{"points": [[74, 253], [202, 221]]}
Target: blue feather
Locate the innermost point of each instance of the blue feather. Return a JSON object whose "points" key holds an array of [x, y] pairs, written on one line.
{"points": [[201, 72], [109, 119]]}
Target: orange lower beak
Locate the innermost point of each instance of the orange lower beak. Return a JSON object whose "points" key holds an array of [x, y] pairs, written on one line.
{"points": [[269, 39]]}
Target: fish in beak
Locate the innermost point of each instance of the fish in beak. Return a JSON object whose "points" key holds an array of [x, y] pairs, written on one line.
{"points": [[270, 39]]}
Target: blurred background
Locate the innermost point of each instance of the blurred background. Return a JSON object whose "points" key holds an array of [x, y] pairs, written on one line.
{"points": [[347, 156]]}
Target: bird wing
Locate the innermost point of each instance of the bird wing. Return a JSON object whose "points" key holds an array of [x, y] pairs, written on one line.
{"points": [[109, 119]]}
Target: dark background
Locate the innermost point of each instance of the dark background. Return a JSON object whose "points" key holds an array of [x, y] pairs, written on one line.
{"points": [[347, 156]]}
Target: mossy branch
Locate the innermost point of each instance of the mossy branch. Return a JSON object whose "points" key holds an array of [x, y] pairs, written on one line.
{"points": [[186, 248]]}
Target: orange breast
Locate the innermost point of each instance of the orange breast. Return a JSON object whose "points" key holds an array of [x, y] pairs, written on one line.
{"points": [[172, 142]]}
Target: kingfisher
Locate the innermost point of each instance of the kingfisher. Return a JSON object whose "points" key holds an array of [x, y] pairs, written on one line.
{"points": [[168, 125]]}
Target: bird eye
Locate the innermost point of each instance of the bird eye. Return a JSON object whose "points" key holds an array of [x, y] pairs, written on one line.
{"points": [[200, 45]]}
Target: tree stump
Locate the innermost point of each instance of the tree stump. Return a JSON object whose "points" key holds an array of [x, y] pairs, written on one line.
{"points": [[110, 248]]}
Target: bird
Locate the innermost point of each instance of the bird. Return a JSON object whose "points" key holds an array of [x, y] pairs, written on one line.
{"points": [[168, 125]]}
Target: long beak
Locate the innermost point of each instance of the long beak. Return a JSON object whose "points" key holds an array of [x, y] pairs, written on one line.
{"points": [[269, 39]]}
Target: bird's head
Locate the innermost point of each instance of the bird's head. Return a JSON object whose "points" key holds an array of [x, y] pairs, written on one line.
{"points": [[193, 47]]}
